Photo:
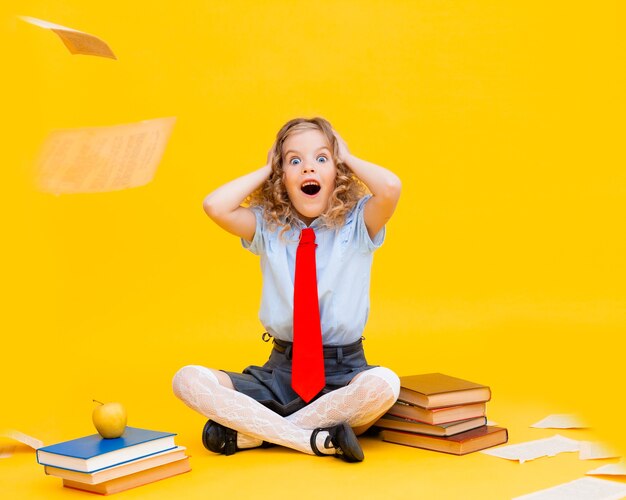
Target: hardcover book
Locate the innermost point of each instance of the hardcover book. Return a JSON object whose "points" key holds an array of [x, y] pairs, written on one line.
{"points": [[133, 480], [459, 444], [449, 429], [437, 416], [116, 471], [94, 453], [436, 390]]}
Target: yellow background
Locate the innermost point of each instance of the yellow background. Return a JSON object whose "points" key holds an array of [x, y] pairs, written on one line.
{"points": [[504, 262]]}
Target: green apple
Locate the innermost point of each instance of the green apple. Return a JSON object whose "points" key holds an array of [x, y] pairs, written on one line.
{"points": [[109, 419]]}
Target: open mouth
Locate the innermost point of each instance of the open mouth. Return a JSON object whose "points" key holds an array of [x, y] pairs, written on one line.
{"points": [[311, 188]]}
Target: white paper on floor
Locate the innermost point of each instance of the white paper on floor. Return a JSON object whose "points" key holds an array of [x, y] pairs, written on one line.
{"points": [[587, 488], [618, 469], [560, 421], [530, 450], [593, 450]]}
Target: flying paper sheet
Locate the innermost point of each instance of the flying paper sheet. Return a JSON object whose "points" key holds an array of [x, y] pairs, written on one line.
{"points": [[77, 42], [581, 489], [560, 421], [530, 450], [7, 450], [22, 438], [100, 159], [591, 450], [618, 469]]}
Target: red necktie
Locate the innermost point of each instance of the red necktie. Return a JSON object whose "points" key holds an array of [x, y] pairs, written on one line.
{"points": [[307, 377]]}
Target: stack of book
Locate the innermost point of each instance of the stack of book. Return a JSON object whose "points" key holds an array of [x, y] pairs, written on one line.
{"points": [[107, 466], [441, 413]]}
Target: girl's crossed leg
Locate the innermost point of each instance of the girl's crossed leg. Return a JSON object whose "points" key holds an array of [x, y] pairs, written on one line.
{"points": [[359, 404]]}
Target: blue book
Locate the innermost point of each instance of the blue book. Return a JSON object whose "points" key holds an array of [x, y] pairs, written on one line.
{"points": [[94, 453]]}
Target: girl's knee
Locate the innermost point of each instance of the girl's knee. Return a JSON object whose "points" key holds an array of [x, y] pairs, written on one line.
{"points": [[183, 374], [180, 379], [189, 375], [392, 380]]}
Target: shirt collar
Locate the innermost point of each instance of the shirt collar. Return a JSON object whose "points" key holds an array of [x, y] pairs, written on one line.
{"points": [[317, 223]]}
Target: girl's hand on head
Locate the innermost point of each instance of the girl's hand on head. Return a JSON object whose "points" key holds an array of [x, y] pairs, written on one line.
{"points": [[270, 155], [342, 148]]}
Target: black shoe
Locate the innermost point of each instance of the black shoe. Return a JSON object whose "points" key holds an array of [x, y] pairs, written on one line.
{"points": [[343, 439], [220, 439]]}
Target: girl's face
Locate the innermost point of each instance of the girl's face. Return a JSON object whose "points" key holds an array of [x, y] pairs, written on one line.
{"points": [[309, 173]]}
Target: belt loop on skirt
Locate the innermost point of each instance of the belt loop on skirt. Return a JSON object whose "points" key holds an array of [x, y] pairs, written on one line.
{"points": [[340, 355], [288, 351]]}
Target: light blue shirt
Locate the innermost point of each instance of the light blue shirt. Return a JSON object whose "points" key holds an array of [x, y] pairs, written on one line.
{"points": [[343, 262]]}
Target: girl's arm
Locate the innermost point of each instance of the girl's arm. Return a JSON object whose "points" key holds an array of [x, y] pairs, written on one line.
{"points": [[224, 204], [384, 185]]}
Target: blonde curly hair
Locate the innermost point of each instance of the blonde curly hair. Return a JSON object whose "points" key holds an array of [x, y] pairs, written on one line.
{"points": [[272, 195]]}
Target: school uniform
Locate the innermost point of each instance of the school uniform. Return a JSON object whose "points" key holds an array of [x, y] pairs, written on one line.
{"points": [[343, 264]]}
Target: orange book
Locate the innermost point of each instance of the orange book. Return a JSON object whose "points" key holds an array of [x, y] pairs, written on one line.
{"points": [[437, 416], [435, 390], [459, 444], [124, 469], [133, 480]]}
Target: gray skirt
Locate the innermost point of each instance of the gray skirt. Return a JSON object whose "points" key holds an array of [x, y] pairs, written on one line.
{"points": [[270, 384]]}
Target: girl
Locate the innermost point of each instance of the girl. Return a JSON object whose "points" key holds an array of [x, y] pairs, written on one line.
{"points": [[317, 397]]}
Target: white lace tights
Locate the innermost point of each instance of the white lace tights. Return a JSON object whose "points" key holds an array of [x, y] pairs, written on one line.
{"points": [[359, 403]]}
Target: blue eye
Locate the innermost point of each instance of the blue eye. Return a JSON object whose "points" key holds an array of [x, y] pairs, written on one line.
{"points": [[294, 161], [322, 159]]}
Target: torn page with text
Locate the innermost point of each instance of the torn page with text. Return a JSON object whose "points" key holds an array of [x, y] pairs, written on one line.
{"points": [[77, 42], [101, 159]]}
